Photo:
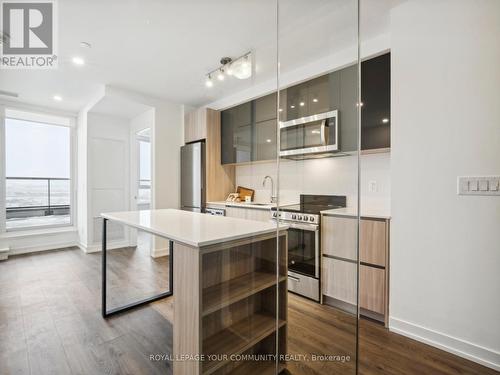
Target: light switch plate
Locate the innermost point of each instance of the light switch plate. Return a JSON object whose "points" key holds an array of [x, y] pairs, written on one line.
{"points": [[478, 185]]}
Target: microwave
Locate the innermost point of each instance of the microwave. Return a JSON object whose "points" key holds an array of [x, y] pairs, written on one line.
{"points": [[313, 136]]}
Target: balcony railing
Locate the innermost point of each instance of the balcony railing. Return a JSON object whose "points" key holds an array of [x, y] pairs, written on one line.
{"points": [[28, 197]]}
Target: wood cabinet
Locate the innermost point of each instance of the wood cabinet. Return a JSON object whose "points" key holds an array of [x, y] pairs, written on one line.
{"points": [[195, 128], [339, 236], [232, 302], [372, 289], [248, 213], [205, 124], [339, 280], [373, 242], [339, 263]]}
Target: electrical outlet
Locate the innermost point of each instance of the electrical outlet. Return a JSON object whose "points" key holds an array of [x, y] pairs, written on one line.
{"points": [[372, 186]]}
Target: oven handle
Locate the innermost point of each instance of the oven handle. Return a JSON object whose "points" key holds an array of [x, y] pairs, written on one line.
{"points": [[308, 227], [293, 278]]}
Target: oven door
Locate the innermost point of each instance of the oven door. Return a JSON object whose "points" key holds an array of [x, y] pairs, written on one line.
{"points": [[303, 249], [312, 134]]}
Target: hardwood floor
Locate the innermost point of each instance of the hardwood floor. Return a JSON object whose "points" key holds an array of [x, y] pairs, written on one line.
{"points": [[50, 323]]}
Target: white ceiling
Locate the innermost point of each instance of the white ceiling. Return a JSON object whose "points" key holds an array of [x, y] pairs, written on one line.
{"points": [[165, 48]]}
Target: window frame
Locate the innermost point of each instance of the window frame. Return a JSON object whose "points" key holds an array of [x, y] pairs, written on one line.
{"points": [[48, 118]]}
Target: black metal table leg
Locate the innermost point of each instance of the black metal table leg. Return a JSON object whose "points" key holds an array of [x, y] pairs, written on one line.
{"points": [[107, 313]]}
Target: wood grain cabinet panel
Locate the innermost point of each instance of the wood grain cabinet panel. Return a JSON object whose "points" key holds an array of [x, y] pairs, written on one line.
{"points": [[195, 128], [372, 289], [339, 236], [248, 213], [339, 280], [373, 242]]}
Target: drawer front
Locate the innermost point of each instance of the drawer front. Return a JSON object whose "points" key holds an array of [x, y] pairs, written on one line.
{"points": [[339, 280], [373, 242], [339, 236], [372, 289]]}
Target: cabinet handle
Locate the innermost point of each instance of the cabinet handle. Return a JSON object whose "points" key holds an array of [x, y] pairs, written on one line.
{"points": [[296, 279]]}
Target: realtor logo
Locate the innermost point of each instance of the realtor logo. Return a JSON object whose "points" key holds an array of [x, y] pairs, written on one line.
{"points": [[28, 35]]}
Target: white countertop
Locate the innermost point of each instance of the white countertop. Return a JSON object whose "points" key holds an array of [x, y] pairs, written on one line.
{"points": [[192, 228], [351, 211]]}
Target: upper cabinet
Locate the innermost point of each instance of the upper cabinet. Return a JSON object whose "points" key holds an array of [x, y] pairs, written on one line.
{"points": [[236, 133], [249, 130], [376, 99], [195, 125]]}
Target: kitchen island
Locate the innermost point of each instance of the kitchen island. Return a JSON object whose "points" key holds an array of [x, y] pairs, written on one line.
{"points": [[229, 297]]}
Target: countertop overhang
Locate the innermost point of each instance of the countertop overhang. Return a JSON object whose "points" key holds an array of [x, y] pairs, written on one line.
{"points": [[192, 228]]}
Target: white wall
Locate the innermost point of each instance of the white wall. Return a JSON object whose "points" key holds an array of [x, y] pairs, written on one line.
{"points": [[333, 176], [445, 248]]}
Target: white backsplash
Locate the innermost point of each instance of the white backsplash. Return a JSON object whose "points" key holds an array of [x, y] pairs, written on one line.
{"points": [[335, 176]]}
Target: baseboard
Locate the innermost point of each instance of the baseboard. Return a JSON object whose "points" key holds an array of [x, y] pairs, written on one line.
{"points": [[158, 253], [39, 248], [109, 246], [4, 253], [464, 349]]}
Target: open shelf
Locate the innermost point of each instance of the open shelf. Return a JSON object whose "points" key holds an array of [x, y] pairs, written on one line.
{"points": [[228, 292], [237, 338]]}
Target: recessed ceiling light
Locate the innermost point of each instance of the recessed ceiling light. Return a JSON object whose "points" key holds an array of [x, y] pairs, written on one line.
{"points": [[385, 120], [268, 140], [78, 60], [315, 100], [281, 109], [57, 98], [302, 104], [292, 106]]}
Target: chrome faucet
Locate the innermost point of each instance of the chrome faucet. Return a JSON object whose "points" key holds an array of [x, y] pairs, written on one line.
{"points": [[273, 196]]}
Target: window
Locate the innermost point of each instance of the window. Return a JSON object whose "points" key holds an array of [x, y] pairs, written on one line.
{"points": [[37, 171]]}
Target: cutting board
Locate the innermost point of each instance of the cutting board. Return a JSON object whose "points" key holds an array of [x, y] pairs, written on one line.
{"points": [[244, 192]]}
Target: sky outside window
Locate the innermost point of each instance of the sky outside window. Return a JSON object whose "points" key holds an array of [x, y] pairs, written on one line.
{"points": [[36, 149]]}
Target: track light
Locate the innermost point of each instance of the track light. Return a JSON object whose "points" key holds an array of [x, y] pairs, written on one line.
{"points": [[209, 82]]}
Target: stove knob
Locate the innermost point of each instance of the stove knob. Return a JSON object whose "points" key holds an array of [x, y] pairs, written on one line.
{"points": [[311, 218], [305, 218], [274, 214], [299, 217], [294, 216]]}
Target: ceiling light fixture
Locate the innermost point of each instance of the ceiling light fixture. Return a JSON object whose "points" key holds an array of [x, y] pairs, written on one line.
{"points": [[78, 61], [268, 141], [57, 98], [209, 82], [292, 106], [240, 68], [385, 120], [302, 104], [315, 100]]}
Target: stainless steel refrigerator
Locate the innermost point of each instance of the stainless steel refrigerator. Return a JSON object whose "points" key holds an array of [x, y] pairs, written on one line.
{"points": [[193, 177]]}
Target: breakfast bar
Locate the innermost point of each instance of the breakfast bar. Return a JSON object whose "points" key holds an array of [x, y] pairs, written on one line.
{"points": [[229, 277]]}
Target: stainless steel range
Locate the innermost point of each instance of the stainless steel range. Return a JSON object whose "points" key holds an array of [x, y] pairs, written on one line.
{"points": [[304, 241]]}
